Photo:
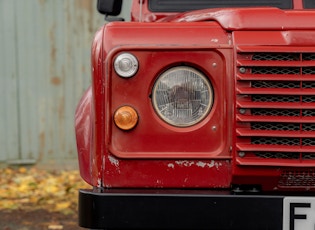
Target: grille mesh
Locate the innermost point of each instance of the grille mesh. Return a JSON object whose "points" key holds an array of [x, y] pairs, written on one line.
{"points": [[275, 126], [277, 155], [277, 84], [308, 113], [284, 115], [308, 142], [308, 127], [297, 178], [308, 85], [276, 98], [308, 99], [280, 112], [275, 141], [275, 70], [276, 57], [309, 57], [308, 70]]}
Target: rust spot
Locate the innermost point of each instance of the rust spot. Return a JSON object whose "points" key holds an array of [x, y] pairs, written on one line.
{"points": [[55, 81], [42, 142], [42, 2], [83, 4], [83, 69], [61, 109], [53, 50], [61, 116], [88, 7]]}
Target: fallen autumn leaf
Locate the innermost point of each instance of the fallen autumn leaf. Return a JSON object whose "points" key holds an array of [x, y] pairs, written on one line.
{"points": [[33, 189]]}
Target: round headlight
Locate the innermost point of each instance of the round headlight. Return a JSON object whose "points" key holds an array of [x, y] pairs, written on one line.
{"points": [[126, 65], [182, 96]]}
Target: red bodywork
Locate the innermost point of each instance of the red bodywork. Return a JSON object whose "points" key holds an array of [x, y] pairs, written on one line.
{"points": [[217, 152]]}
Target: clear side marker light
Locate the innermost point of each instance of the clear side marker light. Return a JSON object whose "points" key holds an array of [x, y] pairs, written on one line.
{"points": [[126, 65]]}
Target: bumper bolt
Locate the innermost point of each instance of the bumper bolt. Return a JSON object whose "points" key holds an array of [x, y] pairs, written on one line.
{"points": [[241, 154], [242, 70]]}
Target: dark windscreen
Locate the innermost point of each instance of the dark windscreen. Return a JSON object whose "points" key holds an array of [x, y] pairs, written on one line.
{"points": [[187, 5], [309, 4]]}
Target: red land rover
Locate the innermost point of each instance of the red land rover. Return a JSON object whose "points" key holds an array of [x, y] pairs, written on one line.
{"points": [[200, 115]]}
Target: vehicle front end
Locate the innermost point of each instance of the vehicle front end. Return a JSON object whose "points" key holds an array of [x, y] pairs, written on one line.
{"points": [[188, 108]]}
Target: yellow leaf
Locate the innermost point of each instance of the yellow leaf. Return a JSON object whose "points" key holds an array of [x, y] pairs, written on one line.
{"points": [[34, 199], [22, 170], [8, 204], [63, 205], [55, 227], [32, 188], [8, 171]]}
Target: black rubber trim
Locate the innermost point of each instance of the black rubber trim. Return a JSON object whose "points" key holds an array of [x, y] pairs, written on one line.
{"points": [[156, 209]]}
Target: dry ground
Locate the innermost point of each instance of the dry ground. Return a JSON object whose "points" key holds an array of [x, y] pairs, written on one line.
{"points": [[40, 219], [33, 199]]}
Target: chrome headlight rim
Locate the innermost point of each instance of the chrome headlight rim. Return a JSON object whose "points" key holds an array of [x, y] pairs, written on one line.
{"points": [[202, 79]]}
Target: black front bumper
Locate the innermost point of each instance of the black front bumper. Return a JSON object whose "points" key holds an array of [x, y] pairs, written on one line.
{"points": [[178, 209]]}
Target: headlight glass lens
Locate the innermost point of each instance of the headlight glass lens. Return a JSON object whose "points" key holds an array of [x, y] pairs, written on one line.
{"points": [[126, 65], [182, 96]]}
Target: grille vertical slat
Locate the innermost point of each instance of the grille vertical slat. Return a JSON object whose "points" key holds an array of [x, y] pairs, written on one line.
{"points": [[281, 107]]}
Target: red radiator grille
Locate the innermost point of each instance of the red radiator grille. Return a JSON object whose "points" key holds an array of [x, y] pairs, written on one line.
{"points": [[275, 106]]}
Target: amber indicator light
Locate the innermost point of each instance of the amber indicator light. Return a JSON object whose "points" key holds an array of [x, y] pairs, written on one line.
{"points": [[126, 118]]}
